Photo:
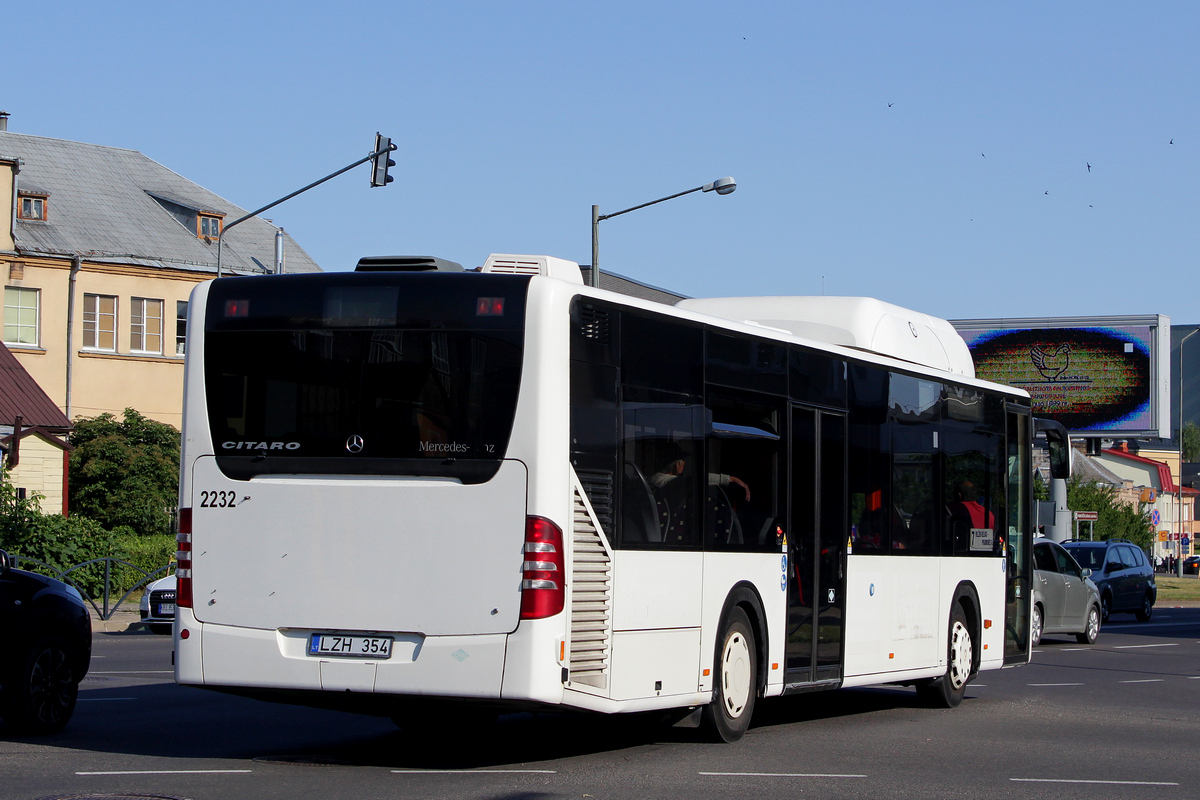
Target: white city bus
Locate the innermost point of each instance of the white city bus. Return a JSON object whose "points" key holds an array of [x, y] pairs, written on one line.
{"points": [[413, 489]]}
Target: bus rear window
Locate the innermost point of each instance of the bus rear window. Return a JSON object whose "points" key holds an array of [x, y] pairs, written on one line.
{"points": [[371, 383]]}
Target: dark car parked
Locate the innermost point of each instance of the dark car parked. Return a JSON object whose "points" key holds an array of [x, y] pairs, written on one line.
{"points": [[1191, 565], [46, 653], [1121, 572]]}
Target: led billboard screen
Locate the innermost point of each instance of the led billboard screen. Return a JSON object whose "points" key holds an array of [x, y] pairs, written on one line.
{"points": [[1098, 379]]}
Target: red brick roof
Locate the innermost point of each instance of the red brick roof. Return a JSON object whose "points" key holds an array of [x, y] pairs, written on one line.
{"points": [[20, 394]]}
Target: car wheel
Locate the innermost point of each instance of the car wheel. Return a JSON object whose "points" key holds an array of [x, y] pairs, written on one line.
{"points": [[1105, 607], [736, 680], [1143, 613], [1092, 632], [40, 697], [1035, 627], [948, 690]]}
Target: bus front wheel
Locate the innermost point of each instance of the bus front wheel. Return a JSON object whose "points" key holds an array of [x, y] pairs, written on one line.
{"points": [[948, 690], [735, 679]]}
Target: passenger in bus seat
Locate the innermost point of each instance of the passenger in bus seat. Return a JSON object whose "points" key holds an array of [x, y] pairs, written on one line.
{"points": [[966, 512]]}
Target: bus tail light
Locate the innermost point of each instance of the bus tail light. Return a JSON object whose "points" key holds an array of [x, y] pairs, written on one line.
{"points": [[543, 573], [183, 555]]}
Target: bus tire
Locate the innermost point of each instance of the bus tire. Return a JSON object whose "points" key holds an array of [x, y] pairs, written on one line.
{"points": [[735, 679], [948, 690]]}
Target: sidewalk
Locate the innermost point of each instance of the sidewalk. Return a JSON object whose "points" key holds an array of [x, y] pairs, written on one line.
{"points": [[122, 620]]}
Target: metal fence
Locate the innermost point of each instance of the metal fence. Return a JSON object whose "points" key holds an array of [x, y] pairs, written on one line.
{"points": [[104, 610]]}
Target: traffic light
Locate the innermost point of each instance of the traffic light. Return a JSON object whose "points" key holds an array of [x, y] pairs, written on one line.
{"points": [[379, 167]]}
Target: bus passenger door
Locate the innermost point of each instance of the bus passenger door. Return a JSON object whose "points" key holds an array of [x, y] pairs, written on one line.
{"points": [[816, 547]]}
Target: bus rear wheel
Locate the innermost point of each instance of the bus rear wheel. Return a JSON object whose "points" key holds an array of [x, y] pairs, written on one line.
{"points": [[948, 690], [735, 679]]}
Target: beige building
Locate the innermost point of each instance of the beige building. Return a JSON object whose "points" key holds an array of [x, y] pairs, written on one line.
{"points": [[99, 250]]}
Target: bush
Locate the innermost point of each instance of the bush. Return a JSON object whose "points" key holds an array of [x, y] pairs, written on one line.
{"points": [[126, 472]]}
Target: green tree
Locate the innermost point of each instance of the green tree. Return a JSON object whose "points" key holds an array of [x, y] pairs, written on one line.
{"points": [[1117, 520], [125, 472], [1191, 442]]}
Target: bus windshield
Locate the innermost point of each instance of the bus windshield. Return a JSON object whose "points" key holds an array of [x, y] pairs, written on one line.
{"points": [[325, 377]]}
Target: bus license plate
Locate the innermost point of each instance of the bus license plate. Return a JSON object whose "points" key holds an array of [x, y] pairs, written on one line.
{"points": [[336, 644]]}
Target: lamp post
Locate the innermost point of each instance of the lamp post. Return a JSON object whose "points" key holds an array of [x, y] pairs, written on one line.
{"points": [[1179, 499], [721, 186]]}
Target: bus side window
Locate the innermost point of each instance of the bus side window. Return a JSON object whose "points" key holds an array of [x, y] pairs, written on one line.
{"points": [[661, 414], [871, 508], [745, 449]]}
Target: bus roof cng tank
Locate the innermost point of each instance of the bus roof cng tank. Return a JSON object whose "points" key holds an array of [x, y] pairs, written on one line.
{"points": [[863, 323]]}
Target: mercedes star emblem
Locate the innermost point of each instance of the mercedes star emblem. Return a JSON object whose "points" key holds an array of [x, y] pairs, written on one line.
{"points": [[354, 444]]}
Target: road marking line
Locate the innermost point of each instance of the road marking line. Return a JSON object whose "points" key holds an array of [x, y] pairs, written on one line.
{"points": [[135, 672], [1072, 649], [474, 771], [1054, 684], [169, 772], [1146, 680], [1135, 646], [780, 775], [1111, 783]]}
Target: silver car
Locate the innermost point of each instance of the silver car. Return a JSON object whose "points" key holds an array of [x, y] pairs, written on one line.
{"points": [[1064, 598]]}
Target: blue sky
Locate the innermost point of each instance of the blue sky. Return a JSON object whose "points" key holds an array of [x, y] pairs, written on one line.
{"points": [[933, 155]]}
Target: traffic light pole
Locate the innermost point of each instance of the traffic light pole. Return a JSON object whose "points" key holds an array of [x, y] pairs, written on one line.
{"points": [[220, 239]]}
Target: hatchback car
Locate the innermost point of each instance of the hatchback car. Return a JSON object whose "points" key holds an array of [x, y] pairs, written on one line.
{"points": [[1121, 572], [157, 606], [1065, 600], [46, 653]]}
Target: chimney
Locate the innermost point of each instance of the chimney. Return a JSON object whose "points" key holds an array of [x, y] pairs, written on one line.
{"points": [[3, 120]]}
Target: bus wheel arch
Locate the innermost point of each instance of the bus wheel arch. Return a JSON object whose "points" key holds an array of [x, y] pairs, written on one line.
{"points": [[740, 648], [963, 631]]}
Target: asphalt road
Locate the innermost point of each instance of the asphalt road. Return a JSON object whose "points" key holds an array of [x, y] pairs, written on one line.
{"points": [[1115, 720]]}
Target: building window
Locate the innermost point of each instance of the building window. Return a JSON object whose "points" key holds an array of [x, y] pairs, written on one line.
{"points": [[31, 207], [100, 322], [208, 226], [180, 326], [20, 316], [145, 326]]}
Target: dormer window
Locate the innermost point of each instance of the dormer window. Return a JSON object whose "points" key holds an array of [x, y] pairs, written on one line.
{"points": [[32, 206], [208, 226]]}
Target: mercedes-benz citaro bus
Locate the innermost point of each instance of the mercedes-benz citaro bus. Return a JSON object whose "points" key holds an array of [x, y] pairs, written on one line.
{"points": [[412, 490]]}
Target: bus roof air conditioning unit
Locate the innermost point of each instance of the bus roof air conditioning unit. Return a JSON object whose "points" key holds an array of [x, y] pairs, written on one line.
{"points": [[863, 323], [406, 264], [549, 266]]}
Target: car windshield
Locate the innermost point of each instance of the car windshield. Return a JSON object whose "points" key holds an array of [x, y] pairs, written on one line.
{"points": [[1088, 556]]}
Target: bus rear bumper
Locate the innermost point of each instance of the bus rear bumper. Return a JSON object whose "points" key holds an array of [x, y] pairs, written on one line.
{"points": [[227, 656]]}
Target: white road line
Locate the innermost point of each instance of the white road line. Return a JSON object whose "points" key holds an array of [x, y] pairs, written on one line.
{"points": [[1072, 649], [1194, 677], [1136, 646], [169, 772], [780, 775], [135, 672], [1110, 783], [1054, 684], [1145, 680], [474, 771]]}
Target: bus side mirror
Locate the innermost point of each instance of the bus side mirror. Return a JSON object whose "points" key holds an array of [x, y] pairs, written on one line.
{"points": [[1060, 447]]}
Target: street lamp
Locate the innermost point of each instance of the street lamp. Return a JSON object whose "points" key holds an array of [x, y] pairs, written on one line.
{"points": [[721, 186], [1179, 499]]}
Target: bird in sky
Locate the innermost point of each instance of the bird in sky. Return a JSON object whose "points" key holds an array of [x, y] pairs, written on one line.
{"points": [[1047, 191], [892, 104], [983, 154], [1171, 142], [1089, 166]]}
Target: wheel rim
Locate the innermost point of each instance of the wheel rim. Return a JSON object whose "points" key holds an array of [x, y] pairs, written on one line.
{"points": [[960, 654], [1146, 606], [735, 675], [1104, 606], [1037, 624], [1093, 629], [51, 689]]}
